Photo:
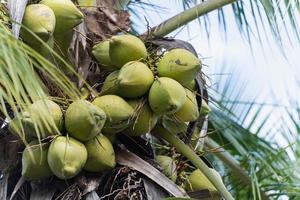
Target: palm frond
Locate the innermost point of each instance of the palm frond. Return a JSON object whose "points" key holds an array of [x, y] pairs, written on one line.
{"points": [[20, 80], [267, 163], [251, 136]]}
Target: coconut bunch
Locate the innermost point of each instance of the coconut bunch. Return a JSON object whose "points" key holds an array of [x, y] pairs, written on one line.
{"points": [[63, 147], [148, 94], [51, 22], [136, 98]]}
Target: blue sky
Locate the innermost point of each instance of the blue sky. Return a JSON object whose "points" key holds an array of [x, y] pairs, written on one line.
{"points": [[269, 77]]}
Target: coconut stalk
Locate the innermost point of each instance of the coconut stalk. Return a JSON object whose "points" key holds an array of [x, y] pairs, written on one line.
{"points": [[187, 16], [194, 158], [233, 164]]}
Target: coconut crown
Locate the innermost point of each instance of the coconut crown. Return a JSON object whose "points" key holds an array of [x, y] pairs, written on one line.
{"points": [[39, 19], [126, 48], [83, 120], [101, 155], [118, 112], [179, 64], [66, 13], [34, 161], [166, 96], [66, 157], [134, 79]]}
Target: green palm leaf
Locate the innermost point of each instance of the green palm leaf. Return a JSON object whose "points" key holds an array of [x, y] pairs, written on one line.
{"points": [[20, 76]]}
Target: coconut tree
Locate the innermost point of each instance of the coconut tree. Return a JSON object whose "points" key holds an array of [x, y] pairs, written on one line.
{"points": [[255, 168]]}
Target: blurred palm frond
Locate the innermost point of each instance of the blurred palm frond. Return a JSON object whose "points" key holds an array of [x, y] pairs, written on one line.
{"points": [[21, 82]]}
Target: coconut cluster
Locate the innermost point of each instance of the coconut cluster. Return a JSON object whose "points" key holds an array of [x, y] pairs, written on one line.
{"points": [[138, 94], [137, 97], [76, 143]]}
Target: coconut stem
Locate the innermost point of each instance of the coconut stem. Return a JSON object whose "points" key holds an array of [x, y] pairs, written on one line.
{"points": [[193, 157], [187, 16]]}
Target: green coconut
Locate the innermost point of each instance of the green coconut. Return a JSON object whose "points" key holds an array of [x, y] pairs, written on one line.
{"points": [[66, 157], [166, 96], [144, 120], [179, 64], [205, 109], [198, 181], [173, 125], [84, 120], [66, 13], [43, 118], [126, 48], [168, 166], [39, 19], [189, 111], [101, 155], [19, 128], [62, 44], [118, 113], [134, 79], [101, 53], [45, 49], [43, 110], [191, 85], [110, 85], [34, 161], [112, 137]]}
